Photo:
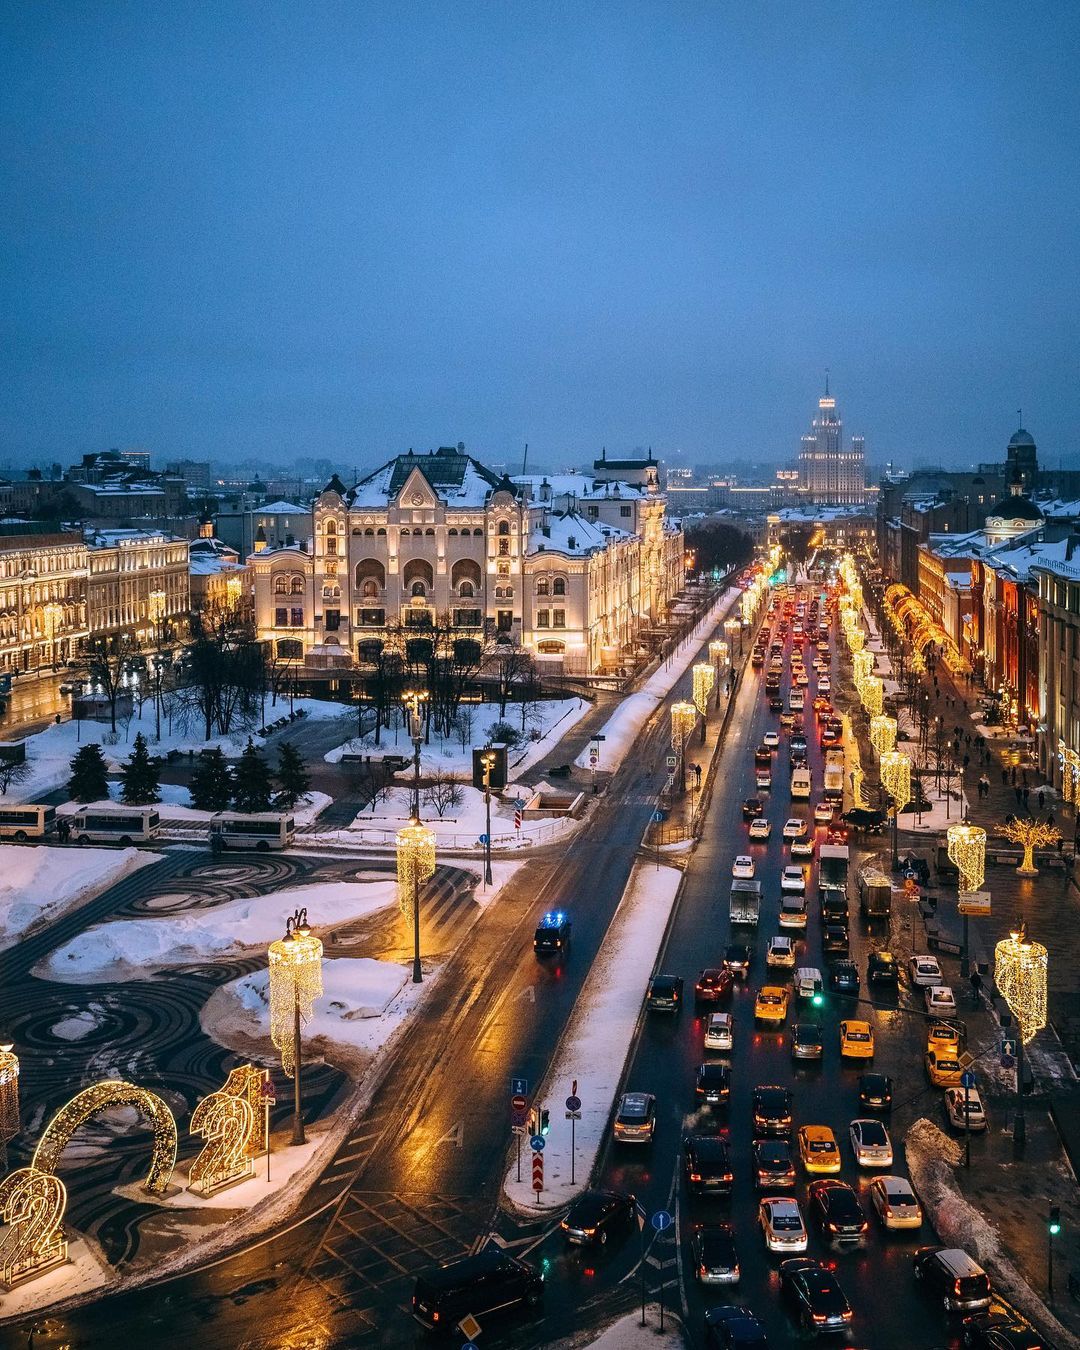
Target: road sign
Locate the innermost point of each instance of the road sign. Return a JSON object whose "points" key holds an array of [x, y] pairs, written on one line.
{"points": [[519, 1087], [573, 1102], [573, 1115], [658, 816], [967, 1079], [672, 761], [519, 803], [470, 1345], [594, 756], [519, 1101], [537, 1142], [1008, 1047], [967, 1060], [517, 820], [470, 1327], [661, 1220], [597, 738], [485, 839], [974, 902], [538, 1173]]}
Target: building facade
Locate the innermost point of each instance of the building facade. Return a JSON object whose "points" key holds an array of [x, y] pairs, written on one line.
{"points": [[829, 474], [137, 587], [1059, 670], [43, 615]]}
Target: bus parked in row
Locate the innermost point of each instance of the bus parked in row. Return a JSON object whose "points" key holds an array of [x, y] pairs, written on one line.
{"points": [[27, 821], [115, 825], [261, 830]]}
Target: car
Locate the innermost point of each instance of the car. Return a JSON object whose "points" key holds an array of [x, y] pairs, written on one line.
{"points": [[870, 1143], [771, 739], [712, 1084], [844, 978], [802, 848], [1001, 1329], [664, 994], [836, 1211], [834, 940], [818, 1303], [818, 1149], [925, 971], [796, 700], [806, 1041], [760, 828], [951, 1276], [781, 953], [895, 1203], [771, 1004], [946, 1038], [825, 684], [964, 1108], [823, 813], [763, 780], [737, 958], [837, 833], [821, 704], [793, 878], [715, 1258], [597, 1215], [782, 1224], [776, 703], [635, 1118], [713, 985], [787, 719], [943, 1070], [720, 1031], [763, 755], [732, 1327], [707, 1164], [552, 936], [856, 1040], [752, 808], [801, 678], [743, 866], [773, 1166], [771, 1108], [940, 1000], [794, 828], [486, 1282], [834, 908], [881, 968]]}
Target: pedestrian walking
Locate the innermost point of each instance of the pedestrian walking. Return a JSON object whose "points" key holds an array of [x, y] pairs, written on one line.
{"points": [[1025, 793], [1019, 793], [976, 987], [1004, 778], [967, 760], [63, 829], [1042, 799], [1023, 778], [967, 737], [1012, 775]]}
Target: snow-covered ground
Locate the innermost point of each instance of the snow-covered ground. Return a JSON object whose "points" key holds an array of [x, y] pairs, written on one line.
{"points": [[628, 1334], [129, 949], [38, 883], [175, 805], [597, 1039], [623, 727]]}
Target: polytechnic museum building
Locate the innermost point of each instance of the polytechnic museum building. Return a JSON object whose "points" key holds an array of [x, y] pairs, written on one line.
{"points": [[572, 567]]}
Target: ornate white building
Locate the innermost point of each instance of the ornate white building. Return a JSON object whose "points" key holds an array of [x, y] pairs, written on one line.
{"points": [[572, 568]]}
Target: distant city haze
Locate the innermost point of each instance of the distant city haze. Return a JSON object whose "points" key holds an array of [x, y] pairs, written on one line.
{"points": [[267, 233]]}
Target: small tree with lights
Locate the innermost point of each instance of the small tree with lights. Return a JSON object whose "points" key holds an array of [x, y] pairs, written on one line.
{"points": [[1030, 835]]}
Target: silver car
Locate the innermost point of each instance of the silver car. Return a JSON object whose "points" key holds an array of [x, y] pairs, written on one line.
{"points": [[870, 1143], [720, 1032]]}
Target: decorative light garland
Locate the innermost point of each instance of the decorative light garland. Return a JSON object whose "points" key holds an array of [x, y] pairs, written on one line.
{"points": [[704, 680], [1030, 835], [683, 718], [862, 664], [1020, 967], [100, 1097], [718, 652], [883, 733], [9, 1093], [295, 982], [32, 1205], [872, 693], [966, 847], [896, 778], [415, 845]]}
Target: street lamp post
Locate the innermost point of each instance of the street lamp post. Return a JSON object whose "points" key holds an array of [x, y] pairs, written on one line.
{"points": [[1020, 968], [295, 984], [413, 700], [415, 845], [718, 651], [487, 760]]}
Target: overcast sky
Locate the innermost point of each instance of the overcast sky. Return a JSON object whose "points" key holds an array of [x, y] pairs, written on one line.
{"points": [[346, 229]]}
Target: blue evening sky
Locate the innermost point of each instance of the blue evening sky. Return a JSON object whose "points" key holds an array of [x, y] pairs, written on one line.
{"points": [[270, 229]]}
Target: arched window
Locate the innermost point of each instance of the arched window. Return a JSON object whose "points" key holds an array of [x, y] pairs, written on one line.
{"points": [[331, 527], [478, 533], [281, 585], [331, 544], [370, 531], [452, 530], [558, 586], [369, 589], [466, 589], [405, 532], [369, 571], [542, 586], [418, 569], [504, 548], [380, 530], [428, 531], [418, 590], [504, 527], [296, 585]]}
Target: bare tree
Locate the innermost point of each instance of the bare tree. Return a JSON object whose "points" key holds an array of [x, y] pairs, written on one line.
{"points": [[12, 774], [442, 792], [225, 680], [106, 659], [509, 663], [464, 724]]}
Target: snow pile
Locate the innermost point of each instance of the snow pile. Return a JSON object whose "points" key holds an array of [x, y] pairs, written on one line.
{"points": [[628, 1334], [931, 1156], [136, 948], [597, 1039], [461, 826], [39, 883]]}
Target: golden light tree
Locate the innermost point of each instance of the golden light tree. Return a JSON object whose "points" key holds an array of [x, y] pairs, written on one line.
{"points": [[856, 640], [1030, 835], [857, 778], [1020, 967], [872, 693], [966, 845], [883, 733], [9, 1094], [718, 652], [862, 663], [683, 717]]}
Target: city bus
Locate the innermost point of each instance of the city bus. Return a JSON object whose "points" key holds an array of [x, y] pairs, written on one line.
{"points": [[26, 822], [261, 830], [115, 825]]}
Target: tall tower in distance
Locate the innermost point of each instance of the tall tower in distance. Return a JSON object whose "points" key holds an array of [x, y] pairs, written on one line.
{"points": [[829, 475]]}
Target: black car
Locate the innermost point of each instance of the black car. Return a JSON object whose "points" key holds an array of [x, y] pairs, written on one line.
{"points": [[835, 1207], [834, 941], [875, 1092], [552, 936], [776, 704], [596, 1215], [1001, 1329], [665, 993], [834, 909], [712, 1084], [752, 807], [771, 1108], [713, 985], [715, 1258], [733, 1328], [881, 968], [844, 978], [480, 1284], [737, 959], [817, 1301], [797, 746], [773, 1165], [707, 1162]]}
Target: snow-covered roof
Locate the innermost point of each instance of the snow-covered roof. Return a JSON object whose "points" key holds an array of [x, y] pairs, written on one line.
{"points": [[809, 514], [570, 533], [121, 489], [205, 565], [282, 509], [1021, 559], [455, 477], [583, 486], [114, 538]]}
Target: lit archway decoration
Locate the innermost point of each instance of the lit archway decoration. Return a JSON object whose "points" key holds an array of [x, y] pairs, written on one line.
{"points": [[704, 679], [99, 1097], [966, 846], [1020, 976], [32, 1206]]}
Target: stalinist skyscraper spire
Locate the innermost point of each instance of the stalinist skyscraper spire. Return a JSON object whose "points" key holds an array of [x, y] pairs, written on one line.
{"points": [[829, 474]]}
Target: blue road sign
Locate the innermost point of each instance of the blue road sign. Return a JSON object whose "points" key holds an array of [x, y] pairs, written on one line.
{"points": [[573, 1103], [537, 1142], [657, 816], [517, 1118], [519, 803], [470, 1345], [967, 1079], [661, 1220], [519, 1087], [485, 839]]}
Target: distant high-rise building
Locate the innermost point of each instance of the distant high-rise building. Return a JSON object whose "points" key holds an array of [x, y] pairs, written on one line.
{"points": [[829, 474]]}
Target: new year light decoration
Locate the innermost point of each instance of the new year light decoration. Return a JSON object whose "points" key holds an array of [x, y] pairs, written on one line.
{"points": [[966, 847], [704, 679], [683, 717], [101, 1096], [856, 640], [857, 778], [872, 693], [9, 1094], [1030, 835], [295, 984], [415, 846], [896, 778], [883, 733], [1020, 975], [227, 1124], [862, 664], [32, 1205]]}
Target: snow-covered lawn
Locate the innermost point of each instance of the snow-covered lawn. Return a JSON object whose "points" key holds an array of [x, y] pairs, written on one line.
{"points": [[628, 1334], [175, 799], [38, 883], [129, 949], [622, 729], [597, 1040]]}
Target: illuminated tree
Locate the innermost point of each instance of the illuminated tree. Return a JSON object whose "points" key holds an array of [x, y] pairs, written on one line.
{"points": [[1030, 835]]}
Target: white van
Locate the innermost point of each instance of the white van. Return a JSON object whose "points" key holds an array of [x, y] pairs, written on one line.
{"points": [[115, 825], [27, 822], [801, 783], [808, 981]]}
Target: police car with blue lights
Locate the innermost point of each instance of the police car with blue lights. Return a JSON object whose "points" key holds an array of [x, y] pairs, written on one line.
{"points": [[552, 936]]}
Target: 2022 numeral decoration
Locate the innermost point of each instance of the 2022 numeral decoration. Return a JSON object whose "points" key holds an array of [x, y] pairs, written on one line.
{"points": [[32, 1204], [226, 1123]]}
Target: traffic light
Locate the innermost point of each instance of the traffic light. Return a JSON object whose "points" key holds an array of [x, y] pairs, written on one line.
{"points": [[1053, 1223], [818, 1000], [545, 1120]]}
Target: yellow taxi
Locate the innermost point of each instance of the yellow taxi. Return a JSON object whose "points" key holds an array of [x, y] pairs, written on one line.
{"points": [[771, 1004], [943, 1038], [943, 1069], [856, 1040], [818, 1149]]}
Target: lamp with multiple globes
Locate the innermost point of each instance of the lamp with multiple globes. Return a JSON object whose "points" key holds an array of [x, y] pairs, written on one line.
{"points": [[295, 984]]}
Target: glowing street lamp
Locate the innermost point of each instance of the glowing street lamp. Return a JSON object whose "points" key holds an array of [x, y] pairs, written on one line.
{"points": [[415, 845], [718, 654], [896, 780], [295, 984], [414, 701], [9, 1099], [1020, 969], [862, 663], [872, 693], [733, 628], [966, 847], [883, 733], [704, 679], [487, 762], [683, 717]]}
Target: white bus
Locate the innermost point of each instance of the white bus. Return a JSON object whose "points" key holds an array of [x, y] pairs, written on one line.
{"points": [[26, 822], [260, 830], [115, 825]]}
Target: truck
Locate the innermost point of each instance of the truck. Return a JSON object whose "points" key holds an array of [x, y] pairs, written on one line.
{"points": [[874, 885], [834, 773], [745, 901], [833, 861]]}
